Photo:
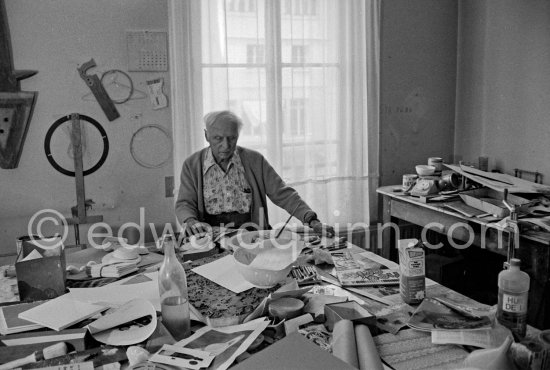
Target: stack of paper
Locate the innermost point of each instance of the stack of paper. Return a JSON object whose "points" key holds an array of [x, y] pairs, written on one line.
{"points": [[61, 312], [10, 323], [113, 270]]}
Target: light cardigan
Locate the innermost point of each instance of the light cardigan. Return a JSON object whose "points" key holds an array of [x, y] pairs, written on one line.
{"points": [[263, 179]]}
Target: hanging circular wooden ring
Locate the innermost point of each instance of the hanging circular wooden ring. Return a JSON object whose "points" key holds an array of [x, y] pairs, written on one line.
{"points": [[59, 122]]}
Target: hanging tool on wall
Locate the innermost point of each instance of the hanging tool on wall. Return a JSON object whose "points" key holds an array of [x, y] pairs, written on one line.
{"points": [[16, 106], [79, 212], [158, 99], [94, 83]]}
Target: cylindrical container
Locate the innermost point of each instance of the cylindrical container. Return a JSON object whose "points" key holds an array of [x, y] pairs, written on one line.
{"points": [[513, 289], [173, 292], [285, 308], [409, 180], [412, 267], [437, 163]]}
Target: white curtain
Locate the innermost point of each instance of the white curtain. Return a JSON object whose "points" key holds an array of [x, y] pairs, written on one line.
{"points": [[303, 75]]}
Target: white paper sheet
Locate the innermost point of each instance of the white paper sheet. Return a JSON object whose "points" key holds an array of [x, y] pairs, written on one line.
{"points": [[116, 295], [224, 272], [61, 312]]}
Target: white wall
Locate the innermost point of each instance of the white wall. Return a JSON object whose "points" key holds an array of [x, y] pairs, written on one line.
{"points": [[54, 37], [418, 79], [504, 84]]}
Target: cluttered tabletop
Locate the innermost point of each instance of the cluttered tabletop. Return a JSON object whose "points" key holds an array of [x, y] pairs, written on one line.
{"points": [[298, 301], [486, 198]]}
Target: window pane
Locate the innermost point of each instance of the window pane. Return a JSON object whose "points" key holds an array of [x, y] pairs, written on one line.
{"points": [[241, 90], [225, 36], [311, 137], [313, 26]]}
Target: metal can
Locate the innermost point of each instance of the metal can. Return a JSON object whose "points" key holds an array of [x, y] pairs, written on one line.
{"points": [[437, 163]]}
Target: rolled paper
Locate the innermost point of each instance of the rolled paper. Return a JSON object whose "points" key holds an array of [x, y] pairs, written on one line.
{"points": [[367, 354], [343, 342]]}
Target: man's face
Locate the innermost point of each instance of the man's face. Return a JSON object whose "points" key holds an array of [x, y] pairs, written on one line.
{"points": [[222, 137]]}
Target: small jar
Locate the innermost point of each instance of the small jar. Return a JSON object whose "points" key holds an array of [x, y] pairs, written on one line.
{"points": [[437, 163]]}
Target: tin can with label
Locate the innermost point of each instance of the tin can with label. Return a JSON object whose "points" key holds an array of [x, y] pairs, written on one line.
{"points": [[409, 180]]}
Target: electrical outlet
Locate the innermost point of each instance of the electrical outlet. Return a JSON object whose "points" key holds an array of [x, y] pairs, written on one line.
{"points": [[169, 186]]}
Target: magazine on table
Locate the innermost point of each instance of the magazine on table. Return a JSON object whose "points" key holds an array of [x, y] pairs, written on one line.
{"points": [[225, 343], [431, 314], [362, 270], [460, 303]]}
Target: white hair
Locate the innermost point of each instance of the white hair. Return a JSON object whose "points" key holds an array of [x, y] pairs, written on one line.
{"points": [[224, 116]]}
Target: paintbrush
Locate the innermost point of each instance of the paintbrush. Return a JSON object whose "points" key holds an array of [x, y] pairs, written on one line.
{"points": [[58, 349], [289, 217]]}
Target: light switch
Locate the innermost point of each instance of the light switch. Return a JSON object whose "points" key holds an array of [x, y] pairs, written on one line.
{"points": [[169, 186]]}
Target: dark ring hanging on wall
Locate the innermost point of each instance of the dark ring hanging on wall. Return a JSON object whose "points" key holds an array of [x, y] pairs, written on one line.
{"points": [[56, 124]]}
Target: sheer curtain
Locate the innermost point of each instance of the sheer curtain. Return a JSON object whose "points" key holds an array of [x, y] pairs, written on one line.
{"points": [[303, 75]]}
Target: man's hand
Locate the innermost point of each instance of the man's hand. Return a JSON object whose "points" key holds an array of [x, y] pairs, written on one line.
{"points": [[195, 227], [322, 229]]}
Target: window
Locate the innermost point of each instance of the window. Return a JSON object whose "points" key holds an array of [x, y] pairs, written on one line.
{"points": [[300, 7], [297, 72], [298, 53], [297, 117], [255, 54], [241, 6], [237, 68]]}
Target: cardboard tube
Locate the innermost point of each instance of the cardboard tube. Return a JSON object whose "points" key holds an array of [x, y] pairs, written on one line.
{"points": [[343, 342], [367, 354]]}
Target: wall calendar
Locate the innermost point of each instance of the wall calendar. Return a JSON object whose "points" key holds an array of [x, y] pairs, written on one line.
{"points": [[147, 51]]}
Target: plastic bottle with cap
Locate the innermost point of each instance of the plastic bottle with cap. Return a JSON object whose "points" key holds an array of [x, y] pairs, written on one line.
{"points": [[513, 290]]}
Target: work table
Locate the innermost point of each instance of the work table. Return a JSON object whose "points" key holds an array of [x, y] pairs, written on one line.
{"points": [[534, 246]]}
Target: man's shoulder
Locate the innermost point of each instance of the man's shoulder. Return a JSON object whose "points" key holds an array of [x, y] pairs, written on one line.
{"points": [[250, 154], [195, 157]]}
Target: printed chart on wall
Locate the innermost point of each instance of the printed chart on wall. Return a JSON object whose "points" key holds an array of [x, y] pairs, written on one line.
{"points": [[147, 51]]}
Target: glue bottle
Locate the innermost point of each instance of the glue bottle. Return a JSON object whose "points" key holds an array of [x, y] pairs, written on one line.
{"points": [[513, 289]]}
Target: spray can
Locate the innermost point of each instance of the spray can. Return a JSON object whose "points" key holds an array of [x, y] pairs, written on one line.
{"points": [[513, 290]]}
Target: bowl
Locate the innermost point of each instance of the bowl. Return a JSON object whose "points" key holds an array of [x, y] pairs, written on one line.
{"points": [[259, 277], [253, 239], [425, 170], [254, 248]]}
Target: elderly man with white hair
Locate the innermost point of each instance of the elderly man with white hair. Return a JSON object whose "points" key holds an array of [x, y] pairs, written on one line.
{"points": [[225, 184]]}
